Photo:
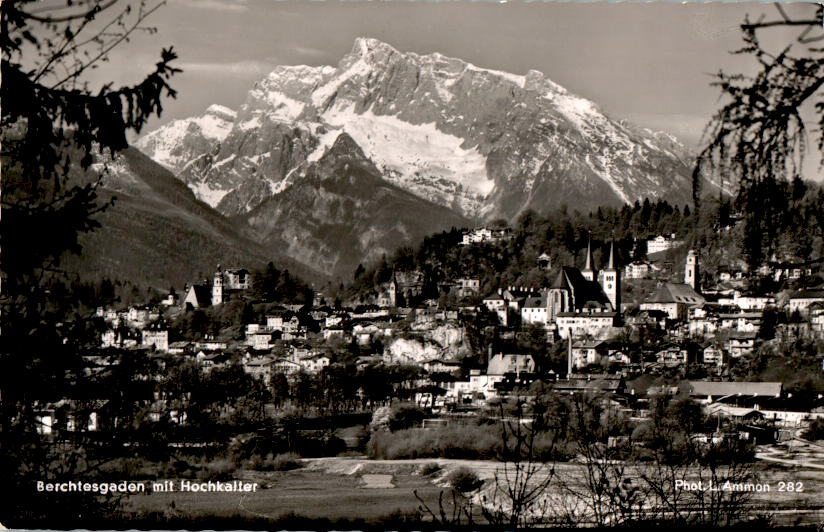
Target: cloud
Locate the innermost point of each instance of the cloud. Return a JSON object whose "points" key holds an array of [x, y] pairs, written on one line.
{"points": [[241, 68], [308, 51], [215, 5]]}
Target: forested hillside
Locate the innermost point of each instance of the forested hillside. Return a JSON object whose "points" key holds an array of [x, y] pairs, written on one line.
{"points": [[798, 218]]}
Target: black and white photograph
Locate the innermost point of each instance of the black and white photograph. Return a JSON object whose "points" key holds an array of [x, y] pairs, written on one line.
{"points": [[411, 265]]}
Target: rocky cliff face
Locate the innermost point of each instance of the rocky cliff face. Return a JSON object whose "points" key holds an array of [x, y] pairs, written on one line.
{"points": [[339, 212], [480, 143]]}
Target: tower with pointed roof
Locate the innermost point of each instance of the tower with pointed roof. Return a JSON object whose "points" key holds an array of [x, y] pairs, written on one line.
{"points": [[589, 272], [610, 279], [691, 271]]}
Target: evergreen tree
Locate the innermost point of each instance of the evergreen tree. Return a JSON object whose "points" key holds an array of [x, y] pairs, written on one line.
{"points": [[52, 127], [757, 140]]}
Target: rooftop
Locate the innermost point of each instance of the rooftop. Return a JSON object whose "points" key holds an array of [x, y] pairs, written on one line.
{"points": [[720, 389]]}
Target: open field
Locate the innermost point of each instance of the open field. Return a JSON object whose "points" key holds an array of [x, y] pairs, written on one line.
{"points": [[309, 493], [341, 488]]}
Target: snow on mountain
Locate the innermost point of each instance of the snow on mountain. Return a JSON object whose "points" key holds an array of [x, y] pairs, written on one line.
{"points": [[413, 155], [176, 143], [483, 143]]}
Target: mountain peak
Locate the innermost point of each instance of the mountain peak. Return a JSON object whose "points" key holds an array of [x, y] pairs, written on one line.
{"points": [[367, 45], [345, 149]]}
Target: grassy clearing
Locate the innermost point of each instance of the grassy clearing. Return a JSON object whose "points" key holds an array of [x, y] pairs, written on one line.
{"points": [[311, 494]]}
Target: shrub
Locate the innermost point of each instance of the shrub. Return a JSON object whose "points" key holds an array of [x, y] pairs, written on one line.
{"points": [[463, 441], [129, 468], [258, 463], [176, 469], [406, 417], [815, 431], [286, 462], [218, 470], [464, 480], [547, 448], [312, 445], [429, 469]]}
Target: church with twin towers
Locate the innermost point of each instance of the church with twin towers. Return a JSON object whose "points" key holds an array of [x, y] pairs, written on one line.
{"points": [[587, 290]]}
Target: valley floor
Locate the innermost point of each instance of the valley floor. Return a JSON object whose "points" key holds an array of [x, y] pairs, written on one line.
{"points": [[356, 488]]}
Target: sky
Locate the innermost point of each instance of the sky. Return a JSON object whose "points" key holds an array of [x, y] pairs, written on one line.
{"points": [[650, 63]]}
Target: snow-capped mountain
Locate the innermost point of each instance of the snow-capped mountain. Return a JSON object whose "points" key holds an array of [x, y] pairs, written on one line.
{"points": [[463, 142], [482, 142], [180, 142]]}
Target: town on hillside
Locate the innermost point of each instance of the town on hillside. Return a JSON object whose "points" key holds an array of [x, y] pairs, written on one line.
{"points": [[456, 346]]}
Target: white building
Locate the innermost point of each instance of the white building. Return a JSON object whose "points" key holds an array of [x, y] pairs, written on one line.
{"points": [[663, 243], [580, 324], [801, 300], [639, 270], [747, 302], [156, 336]]}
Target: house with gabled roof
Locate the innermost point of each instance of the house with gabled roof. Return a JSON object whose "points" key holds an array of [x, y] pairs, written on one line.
{"points": [[675, 299], [710, 391], [535, 311], [801, 300], [739, 344], [585, 353], [261, 338]]}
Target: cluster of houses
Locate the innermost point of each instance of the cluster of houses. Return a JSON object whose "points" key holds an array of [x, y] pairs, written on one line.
{"points": [[581, 305], [582, 308], [585, 306], [486, 235]]}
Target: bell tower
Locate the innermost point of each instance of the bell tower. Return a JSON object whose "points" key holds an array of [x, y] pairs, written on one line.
{"points": [[217, 287], [691, 273], [611, 280]]}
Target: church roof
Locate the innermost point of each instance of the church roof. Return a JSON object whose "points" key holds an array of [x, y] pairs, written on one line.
{"points": [[536, 301], [676, 293], [203, 294], [561, 282], [583, 290]]}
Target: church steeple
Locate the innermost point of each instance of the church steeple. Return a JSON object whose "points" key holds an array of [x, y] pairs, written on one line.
{"points": [[611, 262], [588, 272], [611, 280]]}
